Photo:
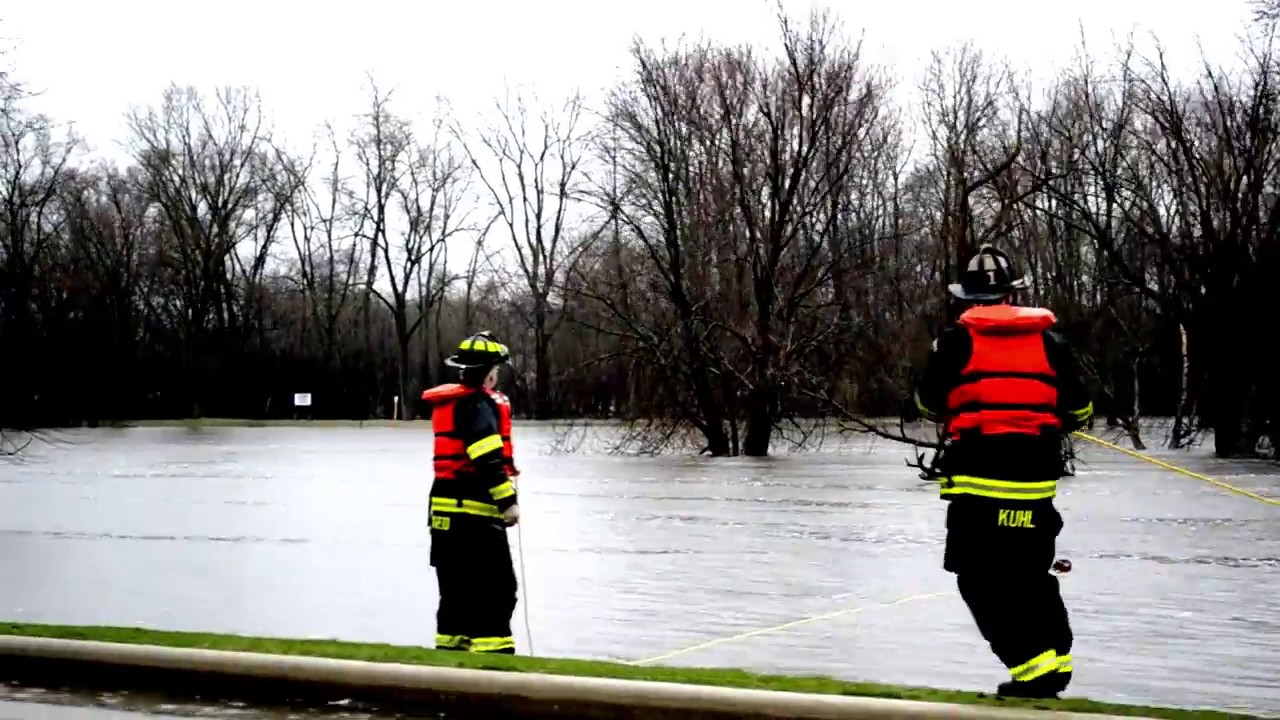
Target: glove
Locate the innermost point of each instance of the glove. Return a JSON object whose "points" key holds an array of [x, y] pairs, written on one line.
{"points": [[511, 515]]}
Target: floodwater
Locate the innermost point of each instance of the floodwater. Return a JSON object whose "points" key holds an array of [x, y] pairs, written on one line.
{"points": [[320, 532]]}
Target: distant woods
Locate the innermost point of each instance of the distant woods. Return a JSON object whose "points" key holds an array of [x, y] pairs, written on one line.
{"points": [[731, 240]]}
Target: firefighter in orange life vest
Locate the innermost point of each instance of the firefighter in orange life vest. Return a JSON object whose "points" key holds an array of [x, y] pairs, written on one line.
{"points": [[1007, 390], [473, 501]]}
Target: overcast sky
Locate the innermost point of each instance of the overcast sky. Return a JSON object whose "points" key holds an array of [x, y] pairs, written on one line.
{"points": [[93, 58]]}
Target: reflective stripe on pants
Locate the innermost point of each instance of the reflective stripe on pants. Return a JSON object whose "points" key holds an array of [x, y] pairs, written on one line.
{"points": [[452, 642], [493, 645], [1042, 664]]}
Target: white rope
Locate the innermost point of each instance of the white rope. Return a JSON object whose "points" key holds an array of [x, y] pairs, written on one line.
{"points": [[524, 584]]}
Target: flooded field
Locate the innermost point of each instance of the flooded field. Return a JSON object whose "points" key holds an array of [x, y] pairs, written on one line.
{"points": [[321, 532]]}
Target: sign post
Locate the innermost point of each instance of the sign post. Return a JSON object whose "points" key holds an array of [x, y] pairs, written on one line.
{"points": [[301, 400]]}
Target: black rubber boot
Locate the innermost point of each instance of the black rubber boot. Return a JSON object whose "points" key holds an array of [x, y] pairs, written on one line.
{"points": [[1045, 686], [1060, 680]]}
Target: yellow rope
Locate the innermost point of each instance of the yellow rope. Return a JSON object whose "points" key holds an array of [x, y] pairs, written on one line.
{"points": [[784, 626], [924, 596], [1179, 470]]}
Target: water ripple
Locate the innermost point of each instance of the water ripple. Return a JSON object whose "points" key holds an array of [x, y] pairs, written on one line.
{"points": [[1216, 560], [84, 535]]}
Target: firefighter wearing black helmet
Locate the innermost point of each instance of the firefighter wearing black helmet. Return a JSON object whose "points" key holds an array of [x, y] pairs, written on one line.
{"points": [[473, 501], [1006, 389]]}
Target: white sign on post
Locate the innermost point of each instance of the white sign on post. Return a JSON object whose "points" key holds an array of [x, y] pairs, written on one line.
{"points": [[302, 399]]}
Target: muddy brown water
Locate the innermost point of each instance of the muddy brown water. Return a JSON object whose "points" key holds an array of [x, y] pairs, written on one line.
{"points": [[320, 532]]}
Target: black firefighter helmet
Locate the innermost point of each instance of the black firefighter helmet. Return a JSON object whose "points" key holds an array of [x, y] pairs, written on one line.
{"points": [[479, 351], [989, 276]]}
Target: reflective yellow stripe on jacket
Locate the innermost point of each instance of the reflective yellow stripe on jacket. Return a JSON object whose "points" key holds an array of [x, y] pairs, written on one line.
{"points": [[464, 507], [484, 445], [998, 489]]}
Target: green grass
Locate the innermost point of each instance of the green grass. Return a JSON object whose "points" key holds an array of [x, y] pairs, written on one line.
{"points": [[697, 676]]}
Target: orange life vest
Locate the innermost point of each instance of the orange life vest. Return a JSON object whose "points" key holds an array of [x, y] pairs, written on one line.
{"points": [[450, 452], [1008, 385], [504, 429]]}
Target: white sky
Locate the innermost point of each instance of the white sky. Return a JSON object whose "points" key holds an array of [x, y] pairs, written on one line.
{"points": [[94, 58]]}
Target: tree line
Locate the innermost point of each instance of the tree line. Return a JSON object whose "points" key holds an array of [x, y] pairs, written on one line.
{"points": [[733, 240]]}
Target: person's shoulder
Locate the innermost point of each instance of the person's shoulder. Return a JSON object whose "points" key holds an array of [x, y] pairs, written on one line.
{"points": [[471, 402], [955, 337], [1056, 338]]}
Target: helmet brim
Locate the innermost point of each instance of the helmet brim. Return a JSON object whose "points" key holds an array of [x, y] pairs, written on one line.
{"points": [[959, 292], [453, 362]]}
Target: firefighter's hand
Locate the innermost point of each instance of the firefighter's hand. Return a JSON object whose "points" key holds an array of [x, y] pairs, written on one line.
{"points": [[513, 471], [511, 515]]}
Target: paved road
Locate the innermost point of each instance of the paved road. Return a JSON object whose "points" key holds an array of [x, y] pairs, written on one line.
{"points": [[24, 703], [16, 710]]}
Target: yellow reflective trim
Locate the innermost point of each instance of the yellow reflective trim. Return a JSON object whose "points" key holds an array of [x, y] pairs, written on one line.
{"points": [[464, 507], [999, 489], [484, 445], [465, 344], [452, 642], [1064, 663], [1042, 664], [1083, 413], [505, 490], [492, 644]]}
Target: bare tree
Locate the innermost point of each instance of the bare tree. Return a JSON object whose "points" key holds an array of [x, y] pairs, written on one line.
{"points": [[329, 254], [734, 175], [33, 163], [972, 120], [532, 170], [754, 248], [206, 170], [411, 206]]}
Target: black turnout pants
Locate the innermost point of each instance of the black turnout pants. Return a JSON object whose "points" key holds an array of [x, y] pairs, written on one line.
{"points": [[477, 585], [1001, 553]]}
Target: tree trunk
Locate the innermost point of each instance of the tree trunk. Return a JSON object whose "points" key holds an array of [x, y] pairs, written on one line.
{"points": [[402, 347], [1134, 424], [542, 369], [760, 419]]}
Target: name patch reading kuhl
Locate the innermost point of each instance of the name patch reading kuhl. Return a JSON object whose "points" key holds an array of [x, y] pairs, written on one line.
{"points": [[1015, 518]]}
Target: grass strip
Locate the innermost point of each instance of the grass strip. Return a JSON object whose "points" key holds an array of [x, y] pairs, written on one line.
{"points": [[371, 652]]}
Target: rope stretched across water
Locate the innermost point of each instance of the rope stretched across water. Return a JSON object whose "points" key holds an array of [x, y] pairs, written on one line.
{"points": [[1178, 469], [784, 626], [925, 596]]}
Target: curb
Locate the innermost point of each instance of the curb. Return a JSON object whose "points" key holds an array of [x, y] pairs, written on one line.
{"points": [[470, 693]]}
